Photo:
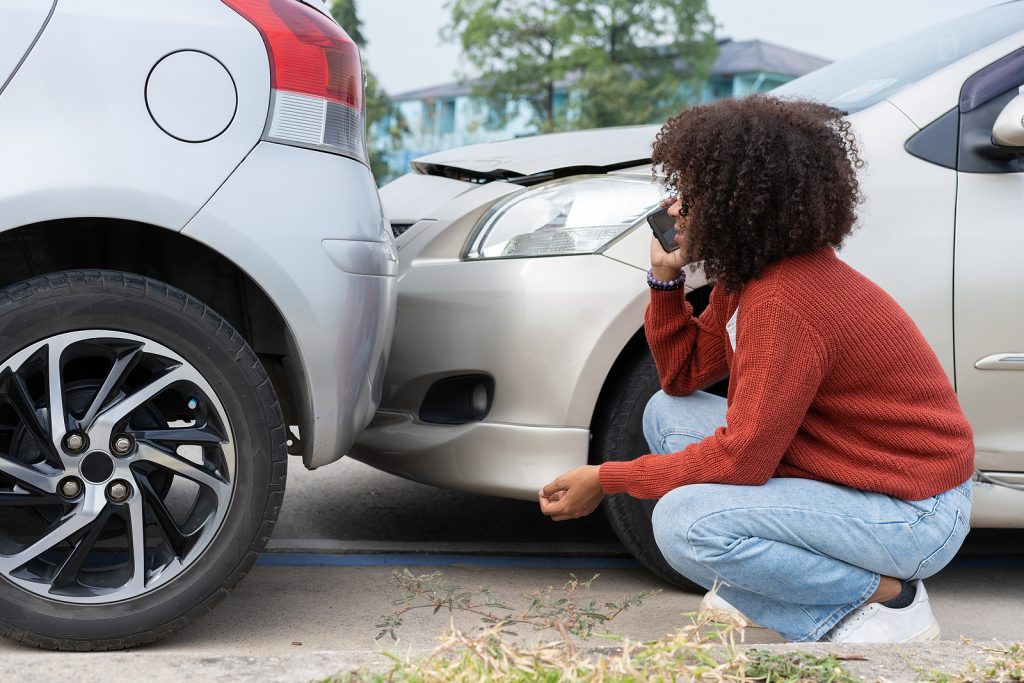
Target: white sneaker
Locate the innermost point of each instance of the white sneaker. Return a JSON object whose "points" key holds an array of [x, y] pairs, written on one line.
{"points": [[876, 623], [720, 609]]}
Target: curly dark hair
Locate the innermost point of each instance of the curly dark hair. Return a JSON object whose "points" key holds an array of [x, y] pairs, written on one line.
{"points": [[762, 178]]}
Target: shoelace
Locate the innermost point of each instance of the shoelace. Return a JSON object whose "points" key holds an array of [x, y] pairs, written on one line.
{"points": [[848, 623]]}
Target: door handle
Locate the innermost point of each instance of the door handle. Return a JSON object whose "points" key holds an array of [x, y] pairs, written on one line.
{"points": [[1001, 361]]}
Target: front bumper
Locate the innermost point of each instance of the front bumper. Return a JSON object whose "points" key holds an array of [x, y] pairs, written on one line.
{"points": [[308, 228], [509, 460], [547, 330]]}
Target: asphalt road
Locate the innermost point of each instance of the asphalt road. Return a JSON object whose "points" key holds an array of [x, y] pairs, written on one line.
{"points": [[350, 506], [350, 501]]}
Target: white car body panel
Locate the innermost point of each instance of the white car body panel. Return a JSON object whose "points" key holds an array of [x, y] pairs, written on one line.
{"points": [[496, 457], [904, 235], [575, 303], [412, 198], [276, 225], [989, 315], [110, 161], [22, 21]]}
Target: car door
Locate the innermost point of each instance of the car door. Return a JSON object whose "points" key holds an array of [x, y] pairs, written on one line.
{"points": [[988, 275], [21, 23]]}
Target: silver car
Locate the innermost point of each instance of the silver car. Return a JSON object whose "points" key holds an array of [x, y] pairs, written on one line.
{"points": [[519, 351], [197, 279]]}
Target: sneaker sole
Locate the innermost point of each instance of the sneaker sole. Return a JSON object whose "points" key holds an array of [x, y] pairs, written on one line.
{"points": [[930, 633]]}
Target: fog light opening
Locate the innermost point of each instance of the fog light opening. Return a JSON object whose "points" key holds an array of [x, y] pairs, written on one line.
{"points": [[458, 400]]}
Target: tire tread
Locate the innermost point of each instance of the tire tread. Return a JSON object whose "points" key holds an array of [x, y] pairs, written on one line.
{"points": [[616, 438]]}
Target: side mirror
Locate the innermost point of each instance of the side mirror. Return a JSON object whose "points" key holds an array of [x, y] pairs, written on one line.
{"points": [[1008, 130]]}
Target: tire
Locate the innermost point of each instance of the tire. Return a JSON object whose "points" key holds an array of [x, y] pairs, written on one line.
{"points": [[618, 435], [159, 389]]}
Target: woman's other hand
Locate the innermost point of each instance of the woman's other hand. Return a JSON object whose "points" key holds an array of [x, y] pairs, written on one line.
{"points": [[576, 493]]}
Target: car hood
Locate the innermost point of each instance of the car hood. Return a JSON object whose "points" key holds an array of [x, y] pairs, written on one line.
{"points": [[600, 149]]}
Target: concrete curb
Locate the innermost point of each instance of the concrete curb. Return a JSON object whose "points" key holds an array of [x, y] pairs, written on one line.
{"points": [[894, 663]]}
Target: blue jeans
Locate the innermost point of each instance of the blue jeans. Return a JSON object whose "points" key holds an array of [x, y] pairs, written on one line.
{"points": [[795, 555]]}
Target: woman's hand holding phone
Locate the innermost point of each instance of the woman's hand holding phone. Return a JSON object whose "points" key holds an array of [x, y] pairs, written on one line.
{"points": [[666, 265]]}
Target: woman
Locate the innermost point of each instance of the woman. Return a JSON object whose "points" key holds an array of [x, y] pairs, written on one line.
{"points": [[836, 475]]}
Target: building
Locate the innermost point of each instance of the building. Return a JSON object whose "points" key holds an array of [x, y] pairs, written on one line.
{"points": [[447, 115]]}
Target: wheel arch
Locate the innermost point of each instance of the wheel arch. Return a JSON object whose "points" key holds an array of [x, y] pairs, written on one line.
{"points": [[169, 256]]}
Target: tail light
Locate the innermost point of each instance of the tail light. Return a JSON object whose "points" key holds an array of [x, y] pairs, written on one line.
{"points": [[315, 75]]}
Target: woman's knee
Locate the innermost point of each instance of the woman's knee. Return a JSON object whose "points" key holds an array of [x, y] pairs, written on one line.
{"points": [[673, 515], [656, 407], [681, 527]]}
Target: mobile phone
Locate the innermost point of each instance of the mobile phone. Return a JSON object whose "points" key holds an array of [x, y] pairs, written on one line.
{"points": [[664, 227]]}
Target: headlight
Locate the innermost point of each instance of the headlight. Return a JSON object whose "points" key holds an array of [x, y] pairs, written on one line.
{"points": [[578, 215]]}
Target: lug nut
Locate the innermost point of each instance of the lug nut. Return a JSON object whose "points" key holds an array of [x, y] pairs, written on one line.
{"points": [[75, 442], [123, 444], [118, 491], [70, 488]]}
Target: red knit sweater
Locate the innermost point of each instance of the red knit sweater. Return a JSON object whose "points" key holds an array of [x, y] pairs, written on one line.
{"points": [[830, 380]]}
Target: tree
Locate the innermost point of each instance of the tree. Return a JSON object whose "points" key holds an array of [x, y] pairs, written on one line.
{"points": [[378, 104], [619, 61]]}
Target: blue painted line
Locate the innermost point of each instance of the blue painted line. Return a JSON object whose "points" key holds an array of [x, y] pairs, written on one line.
{"points": [[425, 560], [526, 562]]}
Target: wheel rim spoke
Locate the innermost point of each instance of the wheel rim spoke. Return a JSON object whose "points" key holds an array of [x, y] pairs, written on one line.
{"points": [[55, 398], [137, 524], [197, 436], [13, 387], [28, 476], [176, 540], [108, 418], [68, 572], [186, 468], [70, 526], [126, 360], [20, 499]]}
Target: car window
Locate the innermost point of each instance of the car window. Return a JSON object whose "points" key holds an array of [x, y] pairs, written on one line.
{"points": [[858, 82]]}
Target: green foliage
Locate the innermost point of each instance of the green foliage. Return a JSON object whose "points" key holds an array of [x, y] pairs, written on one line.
{"points": [[621, 61], [346, 14], [795, 667], [377, 103]]}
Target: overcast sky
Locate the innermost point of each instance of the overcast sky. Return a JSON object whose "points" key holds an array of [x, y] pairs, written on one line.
{"points": [[406, 53]]}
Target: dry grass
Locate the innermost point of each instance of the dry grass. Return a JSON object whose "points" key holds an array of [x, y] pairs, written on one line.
{"points": [[708, 649], [704, 650], [1002, 663]]}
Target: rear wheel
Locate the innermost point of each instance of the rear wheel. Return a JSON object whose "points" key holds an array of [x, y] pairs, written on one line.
{"points": [[618, 435], [142, 460]]}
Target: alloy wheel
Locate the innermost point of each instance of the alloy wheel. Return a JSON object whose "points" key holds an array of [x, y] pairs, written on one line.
{"points": [[116, 466]]}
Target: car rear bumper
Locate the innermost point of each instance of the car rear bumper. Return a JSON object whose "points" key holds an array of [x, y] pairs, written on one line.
{"points": [[307, 227]]}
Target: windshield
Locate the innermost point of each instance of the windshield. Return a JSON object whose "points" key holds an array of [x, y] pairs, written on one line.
{"points": [[858, 82]]}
